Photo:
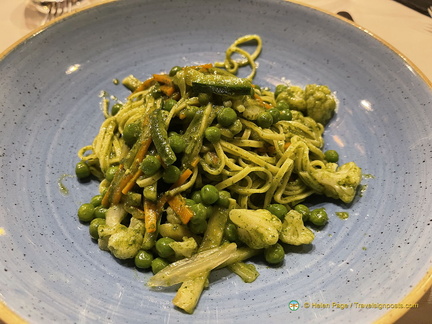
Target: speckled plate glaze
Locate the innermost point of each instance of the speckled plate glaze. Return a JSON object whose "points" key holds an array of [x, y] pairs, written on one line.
{"points": [[50, 269]]}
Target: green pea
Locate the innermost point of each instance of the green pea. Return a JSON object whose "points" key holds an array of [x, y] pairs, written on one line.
{"points": [[171, 174], [285, 114], [150, 165], [236, 127], [131, 133], [169, 104], [174, 70], [196, 196], [280, 88], [86, 212], [212, 134], [209, 194], [226, 116], [204, 98], [224, 198], [82, 170], [198, 228], [109, 175], [190, 202], [275, 114], [94, 225], [163, 248], [303, 210], [278, 210], [177, 143], [331, 156], [116, 108], [158, 264], [230, 232], [282, 105], [143, 259], [318, 217], [96, 200], [200, 213], [100, 212], [274, 254], [264, 119]]}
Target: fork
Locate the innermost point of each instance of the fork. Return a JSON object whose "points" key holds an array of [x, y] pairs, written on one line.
{"points": [[57, 8]]}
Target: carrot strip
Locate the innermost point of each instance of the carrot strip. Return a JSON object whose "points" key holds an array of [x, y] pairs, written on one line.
{"points": [[143, 86], [185, 174], [178, 204], [168, 90], [182, 179], [202, 67], [262, 102], [131, 182], [195, 162], [150, 216], [143, 150], [163, 78]]}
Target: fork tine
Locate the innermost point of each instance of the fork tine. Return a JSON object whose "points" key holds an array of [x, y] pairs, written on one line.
{"points": [[58, 8]]}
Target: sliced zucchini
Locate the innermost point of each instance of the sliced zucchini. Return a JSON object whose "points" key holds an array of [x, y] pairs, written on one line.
{"points": [[217, 83]]}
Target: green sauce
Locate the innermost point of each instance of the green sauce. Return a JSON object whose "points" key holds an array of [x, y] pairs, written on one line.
{"points": [[342, 215], [60, 184]]}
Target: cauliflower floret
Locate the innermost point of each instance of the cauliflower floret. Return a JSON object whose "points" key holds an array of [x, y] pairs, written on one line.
{"points": [[320, 103], [293, 230], [338, 182], [125, 242], [257, 228], [185, 248], [122, 241], [294, 96]]}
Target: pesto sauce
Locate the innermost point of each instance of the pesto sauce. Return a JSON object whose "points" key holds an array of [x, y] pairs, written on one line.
{"points": [[363, 189], [342, 215], [60, 184]]}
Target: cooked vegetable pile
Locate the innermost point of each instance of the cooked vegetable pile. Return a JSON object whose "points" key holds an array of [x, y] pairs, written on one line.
{"points": [[200, 169]]}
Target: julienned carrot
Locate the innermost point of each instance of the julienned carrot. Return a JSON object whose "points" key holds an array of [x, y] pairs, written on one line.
{"points": [[168, 90], [178, 204], [124, 181], [182, 179], [150, 216], [185, 174], [145, 85], [202, 67], [163, 78], [129, 181], [262, 102]]}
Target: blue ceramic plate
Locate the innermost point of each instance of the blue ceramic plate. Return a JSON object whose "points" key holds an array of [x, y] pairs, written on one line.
{"points": [[50, 269]]}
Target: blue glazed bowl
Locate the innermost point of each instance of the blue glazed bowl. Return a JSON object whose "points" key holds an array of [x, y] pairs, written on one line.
{"points": [[50, 269]]}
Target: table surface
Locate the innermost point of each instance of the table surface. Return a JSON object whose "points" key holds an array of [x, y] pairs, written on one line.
{"points": [[407, 31]]}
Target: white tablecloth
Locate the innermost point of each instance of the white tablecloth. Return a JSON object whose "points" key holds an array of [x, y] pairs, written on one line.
{"points": [[406, 30]]}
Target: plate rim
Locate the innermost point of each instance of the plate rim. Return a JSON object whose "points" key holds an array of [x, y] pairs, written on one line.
{"points": [[7, 315]]}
